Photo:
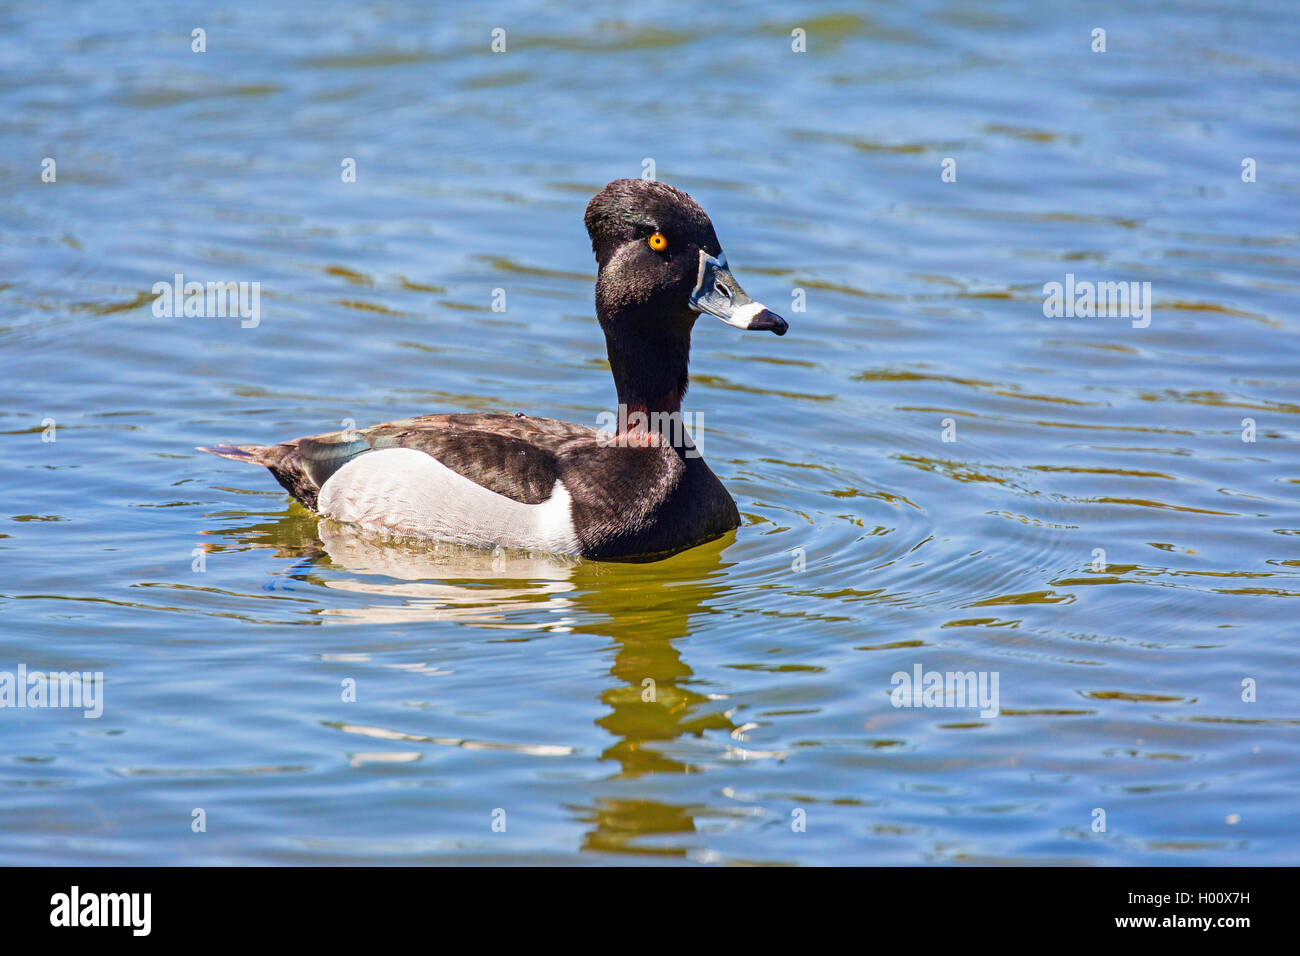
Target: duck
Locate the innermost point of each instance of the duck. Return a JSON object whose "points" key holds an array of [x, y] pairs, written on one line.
{"points": [[640, 491]]}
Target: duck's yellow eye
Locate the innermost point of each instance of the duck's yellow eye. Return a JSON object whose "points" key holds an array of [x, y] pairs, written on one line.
{"points": [[658, 242]]}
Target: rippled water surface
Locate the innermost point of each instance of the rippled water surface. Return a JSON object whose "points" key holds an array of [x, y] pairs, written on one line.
{"points": [[1099, 533]]}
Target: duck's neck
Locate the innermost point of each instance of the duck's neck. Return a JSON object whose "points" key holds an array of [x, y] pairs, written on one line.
{"points": [[650, 375]]}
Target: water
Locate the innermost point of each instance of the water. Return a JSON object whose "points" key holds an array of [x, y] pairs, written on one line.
{"points": [[515, 683]]}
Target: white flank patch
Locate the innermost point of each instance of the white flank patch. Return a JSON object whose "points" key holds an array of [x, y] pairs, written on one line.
{"points": [[405, 491]]}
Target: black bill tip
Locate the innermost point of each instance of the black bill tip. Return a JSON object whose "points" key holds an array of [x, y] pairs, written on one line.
{"points": [[769, 321]]}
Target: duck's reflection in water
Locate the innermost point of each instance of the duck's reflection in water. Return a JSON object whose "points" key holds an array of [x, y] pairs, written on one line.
{"points": [[447, 583], [656, 718]]}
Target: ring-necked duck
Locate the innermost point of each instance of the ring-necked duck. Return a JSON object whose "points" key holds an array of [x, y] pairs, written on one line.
{"points": [[541, 484]]}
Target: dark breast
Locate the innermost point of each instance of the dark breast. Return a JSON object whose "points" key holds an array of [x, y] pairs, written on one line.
{"points": [[644, 501]]}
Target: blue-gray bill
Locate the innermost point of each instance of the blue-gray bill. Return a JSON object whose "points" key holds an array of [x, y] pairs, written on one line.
{"points": [[719, 294]]}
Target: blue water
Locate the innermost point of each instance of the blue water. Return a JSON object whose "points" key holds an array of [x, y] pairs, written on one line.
{"points": [[1154, 682]]}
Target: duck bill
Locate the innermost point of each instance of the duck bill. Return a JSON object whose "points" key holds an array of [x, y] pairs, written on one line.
{"points": [[718, 293]]}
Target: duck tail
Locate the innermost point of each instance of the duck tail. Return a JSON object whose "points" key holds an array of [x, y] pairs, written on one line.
{"points": [[282, 460], [266, 455]]}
